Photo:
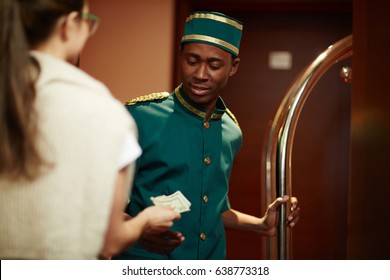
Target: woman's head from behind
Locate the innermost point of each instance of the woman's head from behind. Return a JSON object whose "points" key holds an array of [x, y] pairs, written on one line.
{"points": [[39, 17], [57, 26]]}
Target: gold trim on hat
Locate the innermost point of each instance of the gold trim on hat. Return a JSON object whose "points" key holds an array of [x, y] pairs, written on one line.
{"points": [[193, 109], [211, 40], [216, 18]]}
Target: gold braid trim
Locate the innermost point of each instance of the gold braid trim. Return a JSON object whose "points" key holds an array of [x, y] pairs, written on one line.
{"points": [[232, 116], [193, 109], [149, 97]]}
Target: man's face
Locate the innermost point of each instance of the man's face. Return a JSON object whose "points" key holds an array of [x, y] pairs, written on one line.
{"points": [[205, 70]]}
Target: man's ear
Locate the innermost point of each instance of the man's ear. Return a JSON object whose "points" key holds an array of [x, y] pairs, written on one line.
{"points": [[68, 25], [235, 65], [181, 47]]}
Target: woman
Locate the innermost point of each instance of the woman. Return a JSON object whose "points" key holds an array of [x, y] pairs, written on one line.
{"points": [[63, 177]]}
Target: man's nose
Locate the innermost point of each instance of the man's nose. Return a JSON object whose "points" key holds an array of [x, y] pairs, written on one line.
{"points": [[202, 72]]}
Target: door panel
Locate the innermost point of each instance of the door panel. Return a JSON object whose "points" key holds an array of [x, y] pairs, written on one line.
{"points": [[321, 144]]}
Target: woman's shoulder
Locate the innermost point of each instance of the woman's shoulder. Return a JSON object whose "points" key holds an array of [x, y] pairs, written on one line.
{"points": [[65, 90], [55, 71]]}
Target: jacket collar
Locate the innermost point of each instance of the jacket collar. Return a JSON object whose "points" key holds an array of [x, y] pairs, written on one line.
{"points": [[198, 110]]}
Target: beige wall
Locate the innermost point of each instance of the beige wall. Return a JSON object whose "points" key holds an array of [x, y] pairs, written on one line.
{"points": [[132, 50]]}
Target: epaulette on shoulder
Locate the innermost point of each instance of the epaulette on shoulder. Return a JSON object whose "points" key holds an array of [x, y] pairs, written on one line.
{"points": [[149, 97], [232, 116]]}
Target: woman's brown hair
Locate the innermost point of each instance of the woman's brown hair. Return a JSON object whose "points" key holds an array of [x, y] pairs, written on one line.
{"points": [[23, 25]]}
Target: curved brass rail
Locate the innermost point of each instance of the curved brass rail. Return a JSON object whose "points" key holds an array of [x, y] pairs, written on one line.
{"points": [[280, 140]]}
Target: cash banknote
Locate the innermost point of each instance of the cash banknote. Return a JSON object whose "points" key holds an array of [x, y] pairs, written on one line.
{"points": [[176, 200]]}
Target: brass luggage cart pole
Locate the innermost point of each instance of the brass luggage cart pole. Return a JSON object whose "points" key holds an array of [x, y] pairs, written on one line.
{"points": [[280, 140]]}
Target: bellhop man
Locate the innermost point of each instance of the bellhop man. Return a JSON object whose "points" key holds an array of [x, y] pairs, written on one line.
{"points": [[189, 140]]}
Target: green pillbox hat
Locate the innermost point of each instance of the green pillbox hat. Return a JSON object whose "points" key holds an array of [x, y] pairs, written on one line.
{"points": [[215, 29]]}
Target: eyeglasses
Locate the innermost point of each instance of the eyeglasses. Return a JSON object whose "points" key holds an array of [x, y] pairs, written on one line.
{"points": [[93, 22]]}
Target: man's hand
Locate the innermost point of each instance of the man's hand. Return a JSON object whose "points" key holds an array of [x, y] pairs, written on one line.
{"points": [[293, 218], [271, 215], [162, 243]]}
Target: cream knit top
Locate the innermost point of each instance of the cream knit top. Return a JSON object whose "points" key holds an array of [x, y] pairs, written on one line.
{"points": [[64, 213]]}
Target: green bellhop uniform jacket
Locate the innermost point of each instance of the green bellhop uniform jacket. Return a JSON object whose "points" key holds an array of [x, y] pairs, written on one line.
{"points": [[183, 152]]}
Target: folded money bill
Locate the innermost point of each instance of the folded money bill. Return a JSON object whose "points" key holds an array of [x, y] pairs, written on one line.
{"points": [[176, 200]]}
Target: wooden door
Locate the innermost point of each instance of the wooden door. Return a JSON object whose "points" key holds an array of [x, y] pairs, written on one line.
{"points": [[321, 145]]}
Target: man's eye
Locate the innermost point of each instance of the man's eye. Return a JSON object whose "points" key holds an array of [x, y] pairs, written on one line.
{"points": [[215, 67], [191, 62]]}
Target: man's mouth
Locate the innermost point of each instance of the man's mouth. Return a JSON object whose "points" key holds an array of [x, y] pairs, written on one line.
{"points": [[198, 90]]}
